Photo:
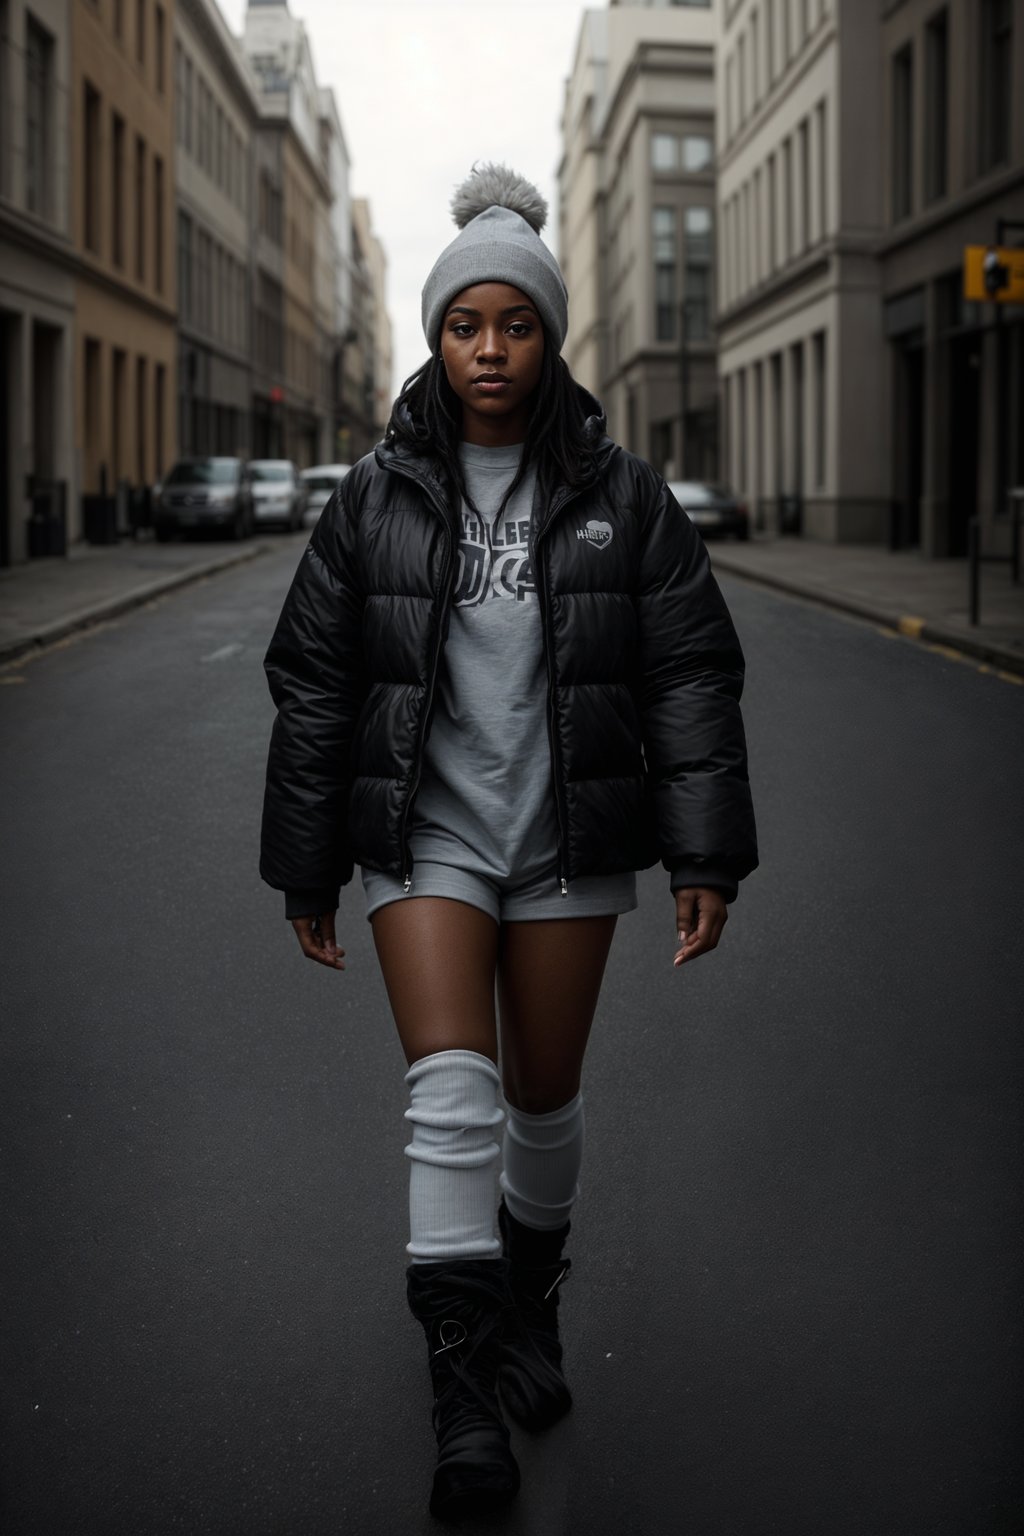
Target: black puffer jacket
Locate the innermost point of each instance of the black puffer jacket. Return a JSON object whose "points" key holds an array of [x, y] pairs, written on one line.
{"points": [[645, 674]]}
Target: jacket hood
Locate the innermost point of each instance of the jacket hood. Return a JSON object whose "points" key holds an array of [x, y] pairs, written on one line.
{"points": [[391, 454]]}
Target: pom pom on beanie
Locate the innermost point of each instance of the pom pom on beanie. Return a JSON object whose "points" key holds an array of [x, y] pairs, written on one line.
{"points": [[499, 215]]}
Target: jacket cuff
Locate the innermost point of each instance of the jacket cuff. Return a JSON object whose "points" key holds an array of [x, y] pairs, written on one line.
{"points": [[698, 872], [309, 903]]}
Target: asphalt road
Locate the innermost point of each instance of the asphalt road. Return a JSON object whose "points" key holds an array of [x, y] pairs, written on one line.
{"points": [[795, 1304]]}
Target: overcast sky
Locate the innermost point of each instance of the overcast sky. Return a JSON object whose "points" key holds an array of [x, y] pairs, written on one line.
{"points": [[424, 88]]}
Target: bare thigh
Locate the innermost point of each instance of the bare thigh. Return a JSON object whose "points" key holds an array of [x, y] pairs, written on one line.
{"points": [[438, 958], [549, 978]]}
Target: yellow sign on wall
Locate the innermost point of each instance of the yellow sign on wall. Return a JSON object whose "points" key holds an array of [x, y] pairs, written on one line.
{"points": [[993, 274]]}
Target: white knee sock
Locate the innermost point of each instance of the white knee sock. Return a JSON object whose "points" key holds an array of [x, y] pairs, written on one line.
{"points": [[542, 1157], [455, 1114]]}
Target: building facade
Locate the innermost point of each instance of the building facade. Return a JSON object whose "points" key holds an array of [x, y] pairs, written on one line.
{"points": [[800, 136], [293, 404], [952, 168], [637, 227], [377, 382], [37, 284], [861, 148], [216, 111], [122, 169]]}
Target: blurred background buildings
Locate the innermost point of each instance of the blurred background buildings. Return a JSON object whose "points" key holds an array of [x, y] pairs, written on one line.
{"points": [[180, 271], [763, 212]]}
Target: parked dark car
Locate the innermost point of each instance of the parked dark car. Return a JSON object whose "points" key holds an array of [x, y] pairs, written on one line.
{"points": [[202, 493], [713, 509]]}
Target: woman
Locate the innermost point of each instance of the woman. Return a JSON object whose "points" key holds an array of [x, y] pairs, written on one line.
{"points": [[506, 680]]}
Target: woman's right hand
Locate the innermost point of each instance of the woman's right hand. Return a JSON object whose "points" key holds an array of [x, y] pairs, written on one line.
{"points": [[316, 936]]}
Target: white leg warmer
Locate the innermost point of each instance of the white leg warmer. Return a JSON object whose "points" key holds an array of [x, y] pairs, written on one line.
{"points": [[542, 1157], [455, 1115]]}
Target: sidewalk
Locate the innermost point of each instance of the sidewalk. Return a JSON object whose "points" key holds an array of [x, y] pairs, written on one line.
{"points": [[925, 599], [44, 600]]}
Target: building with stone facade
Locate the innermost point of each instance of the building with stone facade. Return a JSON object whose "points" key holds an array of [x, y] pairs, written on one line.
{"points": [[636, 232], [861, 148], [952, 167], [216, 113], [293, 406], [377, 342], [37, 271], [122, 220]]}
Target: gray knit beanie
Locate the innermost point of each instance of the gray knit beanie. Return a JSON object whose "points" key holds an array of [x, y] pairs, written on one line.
{"points": [[500, 216]]}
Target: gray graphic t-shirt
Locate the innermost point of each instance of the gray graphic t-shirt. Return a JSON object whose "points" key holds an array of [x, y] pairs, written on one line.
{"points": [[486, 801]]}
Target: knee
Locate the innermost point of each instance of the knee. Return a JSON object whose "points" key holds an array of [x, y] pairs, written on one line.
{"points": [[541, 1099]]}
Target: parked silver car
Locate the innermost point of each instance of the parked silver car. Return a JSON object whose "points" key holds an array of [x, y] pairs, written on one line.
{"points": [[319, 485], [204, 493], [276, 492]]}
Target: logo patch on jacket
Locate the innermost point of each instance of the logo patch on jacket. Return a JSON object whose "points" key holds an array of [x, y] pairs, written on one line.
{"points": [[597, 533]]}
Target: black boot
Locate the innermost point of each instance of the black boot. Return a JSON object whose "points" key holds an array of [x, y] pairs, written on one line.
{"points": [[533, 1388], [462, 1304]]}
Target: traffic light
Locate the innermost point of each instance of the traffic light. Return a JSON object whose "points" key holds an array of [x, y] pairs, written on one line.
{"points": [[996, 273]]}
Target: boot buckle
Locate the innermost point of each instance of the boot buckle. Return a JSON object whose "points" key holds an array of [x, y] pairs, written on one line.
{"points": [[452, 1333]]}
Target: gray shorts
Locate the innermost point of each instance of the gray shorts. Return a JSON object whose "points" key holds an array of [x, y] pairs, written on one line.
{"points": [[506, 900]]}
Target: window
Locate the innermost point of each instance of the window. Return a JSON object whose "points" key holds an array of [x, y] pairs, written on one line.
{"points": [[185, 267], [936, 105], [117, 152], [119, 384], [140, 209], [787, 201], [819, 408], [159, 406], [38, 111], [698, 152], [664, 152], [140, 31], [91, 169], [773, 193], [804, 137], [158, 224], [698, 273], [902, 132], [769, 39], [664, 232], [186, 106], [821, 124], [996, 53], [158, 45], [140, 421]]}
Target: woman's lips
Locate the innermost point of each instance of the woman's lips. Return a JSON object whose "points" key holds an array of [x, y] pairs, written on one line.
{"points": [[492, 386]]}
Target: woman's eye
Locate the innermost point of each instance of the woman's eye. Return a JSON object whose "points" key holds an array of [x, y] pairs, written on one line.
{"points": [[520, 328], [462, 328]]}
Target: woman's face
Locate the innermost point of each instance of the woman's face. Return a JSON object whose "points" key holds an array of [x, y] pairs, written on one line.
{"points": [[492, 343]]}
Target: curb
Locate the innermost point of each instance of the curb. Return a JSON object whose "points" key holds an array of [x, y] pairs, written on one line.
{"points": [[135, 597], [910, 625]]}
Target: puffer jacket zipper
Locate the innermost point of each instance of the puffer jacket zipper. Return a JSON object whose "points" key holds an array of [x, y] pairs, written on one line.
{"points": [[443, 611], [560, 500]]}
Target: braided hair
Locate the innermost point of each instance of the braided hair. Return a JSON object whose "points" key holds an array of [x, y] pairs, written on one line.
{"points": [[427, 417]]}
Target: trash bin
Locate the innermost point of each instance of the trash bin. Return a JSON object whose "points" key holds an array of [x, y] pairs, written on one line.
{"points": [[99, 519], [791, 513], [48, 521]]}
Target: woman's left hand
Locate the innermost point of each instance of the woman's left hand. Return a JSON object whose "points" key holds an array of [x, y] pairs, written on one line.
{"points": [[701, 914]]}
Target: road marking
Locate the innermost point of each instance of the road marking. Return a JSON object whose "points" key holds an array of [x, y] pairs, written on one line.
{"points": [[224, 652], [909, 625]]}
